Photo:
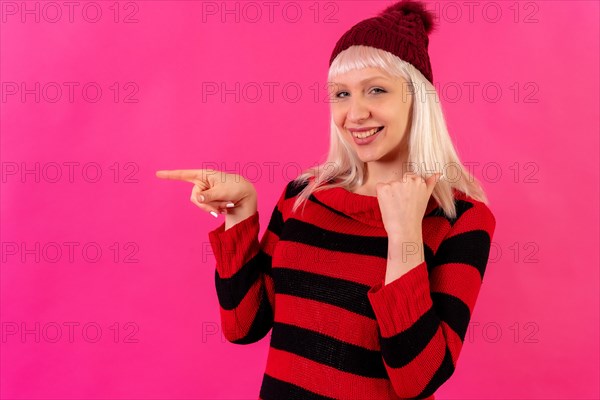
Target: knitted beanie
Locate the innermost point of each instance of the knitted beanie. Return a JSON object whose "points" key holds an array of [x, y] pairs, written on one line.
{"points": [[401, 29]]}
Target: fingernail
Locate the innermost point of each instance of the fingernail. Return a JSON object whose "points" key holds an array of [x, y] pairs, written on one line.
{"points": [[201, 198], [214, 214], [229, 205]]}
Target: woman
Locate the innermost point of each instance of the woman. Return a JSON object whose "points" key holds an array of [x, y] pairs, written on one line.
{"points": [[370, 287]]}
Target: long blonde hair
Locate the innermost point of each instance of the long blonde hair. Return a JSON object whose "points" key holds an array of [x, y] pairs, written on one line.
{"points": [[430, 147]]}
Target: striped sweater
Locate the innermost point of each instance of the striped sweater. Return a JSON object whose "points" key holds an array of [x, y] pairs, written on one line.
{"points": [[317, 280]]}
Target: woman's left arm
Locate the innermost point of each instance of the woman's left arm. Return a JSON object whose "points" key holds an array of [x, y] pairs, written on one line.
{"points": [[424, 314]]}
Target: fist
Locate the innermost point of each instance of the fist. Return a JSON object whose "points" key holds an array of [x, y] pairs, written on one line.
{"points": [[403, 203]]}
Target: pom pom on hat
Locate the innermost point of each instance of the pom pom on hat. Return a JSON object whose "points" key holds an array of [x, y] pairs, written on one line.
{"points": [[413, 7], [401, 29]]}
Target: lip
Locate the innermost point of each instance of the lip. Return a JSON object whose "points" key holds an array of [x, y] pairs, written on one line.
{"points": [[366, 141], [363, 129]]}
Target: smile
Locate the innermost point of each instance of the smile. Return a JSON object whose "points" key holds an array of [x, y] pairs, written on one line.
{"points": [[364, 138], [362, 135]]}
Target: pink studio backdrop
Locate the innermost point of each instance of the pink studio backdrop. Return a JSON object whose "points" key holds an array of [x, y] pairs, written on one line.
{"points": [[107, 276]]}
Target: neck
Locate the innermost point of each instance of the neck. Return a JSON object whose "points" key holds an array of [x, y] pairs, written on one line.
{"points": [[383, 171]]}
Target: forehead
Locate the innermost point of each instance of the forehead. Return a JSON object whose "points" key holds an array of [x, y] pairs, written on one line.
{"points": [[361, 77]]}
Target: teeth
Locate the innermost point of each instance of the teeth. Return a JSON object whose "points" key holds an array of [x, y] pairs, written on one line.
{"points": [[363, 135]]}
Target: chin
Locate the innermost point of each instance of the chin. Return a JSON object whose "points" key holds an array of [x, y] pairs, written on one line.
{"points": [[367, 157]]}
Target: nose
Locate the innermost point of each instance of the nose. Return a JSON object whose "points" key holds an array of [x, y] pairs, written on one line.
{"points": [[357, 110]]}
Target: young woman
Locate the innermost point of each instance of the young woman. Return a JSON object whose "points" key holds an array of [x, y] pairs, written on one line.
{"points": [[372, 262]]}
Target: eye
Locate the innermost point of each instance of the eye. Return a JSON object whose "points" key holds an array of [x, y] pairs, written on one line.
{"points": [[380, 89]]}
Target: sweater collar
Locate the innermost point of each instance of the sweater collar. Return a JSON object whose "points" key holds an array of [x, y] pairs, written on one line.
{"points": [[360, 207]]}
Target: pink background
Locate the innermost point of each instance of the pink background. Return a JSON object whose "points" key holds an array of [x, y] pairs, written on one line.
{"points": [[534, 332]]}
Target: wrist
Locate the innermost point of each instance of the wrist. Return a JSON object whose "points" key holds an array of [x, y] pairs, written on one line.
{"points": [[414, 235], [248, 204], [245, 208], [402, 246]]}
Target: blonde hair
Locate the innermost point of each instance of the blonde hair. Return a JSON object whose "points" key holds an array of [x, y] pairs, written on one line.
{"points": [[429, 143]]}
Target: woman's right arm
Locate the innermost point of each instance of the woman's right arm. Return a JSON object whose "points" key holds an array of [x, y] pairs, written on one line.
{"points": [[243, 276], [243, 264]]}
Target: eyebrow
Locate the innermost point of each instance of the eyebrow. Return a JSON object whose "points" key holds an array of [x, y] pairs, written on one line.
{"points": [[364, 80]]}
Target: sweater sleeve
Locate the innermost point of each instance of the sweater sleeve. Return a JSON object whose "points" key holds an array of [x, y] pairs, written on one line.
{"points": [[423, 315], [243, 276]]}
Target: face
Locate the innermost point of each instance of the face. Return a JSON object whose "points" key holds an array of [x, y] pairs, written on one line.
{"points": [[370, 98]]}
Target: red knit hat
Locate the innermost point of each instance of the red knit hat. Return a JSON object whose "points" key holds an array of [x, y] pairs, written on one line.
{"points": [[401, 29]]}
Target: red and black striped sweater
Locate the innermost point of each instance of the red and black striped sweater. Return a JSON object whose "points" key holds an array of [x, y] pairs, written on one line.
{"points": [[317, 280]]}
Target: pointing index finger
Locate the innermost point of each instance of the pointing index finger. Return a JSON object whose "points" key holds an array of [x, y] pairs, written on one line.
{"points": [[188, 175]]}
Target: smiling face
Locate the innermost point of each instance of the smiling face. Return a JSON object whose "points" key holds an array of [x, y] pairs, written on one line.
{"points": [[370, 98]]}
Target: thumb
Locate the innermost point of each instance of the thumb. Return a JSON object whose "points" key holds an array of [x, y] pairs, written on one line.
{"points": [[209, 195], [433, 180]]}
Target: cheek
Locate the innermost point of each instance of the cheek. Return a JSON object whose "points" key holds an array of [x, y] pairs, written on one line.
{"points": [[338, 117], [399, 120]]}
